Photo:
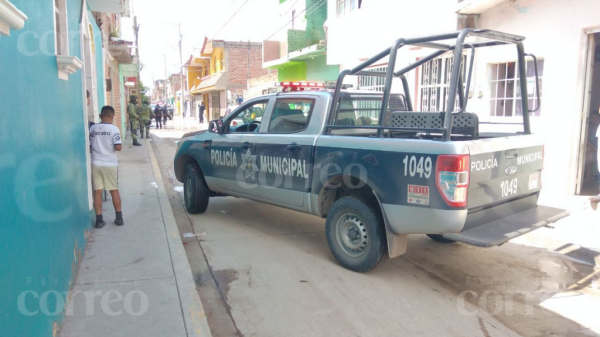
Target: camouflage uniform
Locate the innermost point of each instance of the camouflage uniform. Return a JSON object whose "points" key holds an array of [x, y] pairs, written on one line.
{"points": [[146, 114], [134, 117]]}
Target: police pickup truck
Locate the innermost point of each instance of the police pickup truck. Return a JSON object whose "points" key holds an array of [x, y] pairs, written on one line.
{"points": [[372, 166]]}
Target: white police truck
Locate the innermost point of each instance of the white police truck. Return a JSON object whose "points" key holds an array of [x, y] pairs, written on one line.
{"points": [[372, 166]]}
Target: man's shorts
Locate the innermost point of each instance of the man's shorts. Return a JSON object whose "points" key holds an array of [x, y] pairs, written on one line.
{"points": [[105, 178]]}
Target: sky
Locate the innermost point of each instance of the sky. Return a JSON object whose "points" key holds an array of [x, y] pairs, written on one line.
{"points": [[255, 20]]}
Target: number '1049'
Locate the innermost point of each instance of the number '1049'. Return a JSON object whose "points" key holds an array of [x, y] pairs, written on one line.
{"points": [[420, 167]]}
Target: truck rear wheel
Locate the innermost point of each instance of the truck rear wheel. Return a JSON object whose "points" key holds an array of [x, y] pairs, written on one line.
{"points": [[195, 191], [356, 234], [440, 238]]}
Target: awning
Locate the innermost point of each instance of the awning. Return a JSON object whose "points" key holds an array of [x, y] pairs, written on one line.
{"points": [[213, 83]]}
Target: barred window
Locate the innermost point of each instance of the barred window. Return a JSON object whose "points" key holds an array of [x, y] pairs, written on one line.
{"points": [[372, 83], [505, 92], [435, 83]]}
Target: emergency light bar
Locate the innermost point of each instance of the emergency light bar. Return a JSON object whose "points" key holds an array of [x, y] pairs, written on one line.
{"points": [[300, 84]]}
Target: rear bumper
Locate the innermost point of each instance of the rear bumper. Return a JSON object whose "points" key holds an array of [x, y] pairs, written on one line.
{"points": [[500, 231], [420, 220]]}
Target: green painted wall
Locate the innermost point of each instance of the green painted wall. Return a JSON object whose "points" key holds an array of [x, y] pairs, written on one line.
{"points": [[295, 72], [317, 70], [44, 210]]}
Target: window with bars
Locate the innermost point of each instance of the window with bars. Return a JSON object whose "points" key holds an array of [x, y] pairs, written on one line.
{"points": [[372, 83], [505, 92], [344, 7], [434, 83], [60, 28]]}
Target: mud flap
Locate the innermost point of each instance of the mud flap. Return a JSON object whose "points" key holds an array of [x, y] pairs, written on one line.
{"points": [[397, 243]]}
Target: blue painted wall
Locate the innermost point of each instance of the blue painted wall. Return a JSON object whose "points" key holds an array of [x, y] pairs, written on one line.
{"points": [[99, 62], [44, 210]]}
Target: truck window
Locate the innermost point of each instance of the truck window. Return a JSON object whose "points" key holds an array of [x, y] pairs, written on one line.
{"points": [[248, 119], [364, 109], [291, 115]]}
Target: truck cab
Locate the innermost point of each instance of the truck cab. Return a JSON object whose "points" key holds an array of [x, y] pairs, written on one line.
{"points": [[377, 170]]}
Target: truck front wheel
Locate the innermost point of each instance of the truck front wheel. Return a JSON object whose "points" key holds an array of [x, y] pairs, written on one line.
{"points": [[356, 234], [195, 191]]}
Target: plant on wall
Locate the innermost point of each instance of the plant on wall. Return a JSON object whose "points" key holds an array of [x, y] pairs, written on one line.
{"points": [[115, 32]]}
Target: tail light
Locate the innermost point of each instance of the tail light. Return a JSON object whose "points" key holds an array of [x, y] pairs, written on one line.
{"points": [[233, 123], [452, 178]]}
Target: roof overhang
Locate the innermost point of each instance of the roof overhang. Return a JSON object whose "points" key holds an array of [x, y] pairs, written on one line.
{"points": [[296, 57], [476, 6], [121, 51], [307, 53], [109, 6], [10, 18], [215, 82]]}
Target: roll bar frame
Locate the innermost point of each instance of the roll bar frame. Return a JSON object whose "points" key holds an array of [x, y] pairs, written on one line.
{"points": [[495, 38]]}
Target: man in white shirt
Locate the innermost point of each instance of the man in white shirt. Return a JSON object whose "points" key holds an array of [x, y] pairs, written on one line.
{"points": [[105, 141]]}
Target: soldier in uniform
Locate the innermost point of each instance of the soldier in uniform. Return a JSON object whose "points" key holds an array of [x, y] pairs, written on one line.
{"points": [[134, 118], [146, 114]]}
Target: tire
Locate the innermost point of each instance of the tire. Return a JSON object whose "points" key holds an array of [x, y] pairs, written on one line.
{"points": [[195, 191], [440, 238], [349, 217]]}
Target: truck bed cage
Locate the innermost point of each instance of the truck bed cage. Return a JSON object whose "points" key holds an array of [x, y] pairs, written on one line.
{"points": [[494, 38]]}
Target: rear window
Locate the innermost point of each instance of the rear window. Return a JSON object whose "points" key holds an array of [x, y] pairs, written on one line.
{"points": [[291, 115], [364, 109]]}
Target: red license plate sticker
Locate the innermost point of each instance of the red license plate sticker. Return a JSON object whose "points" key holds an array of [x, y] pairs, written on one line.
{"points": [[418, 195]]}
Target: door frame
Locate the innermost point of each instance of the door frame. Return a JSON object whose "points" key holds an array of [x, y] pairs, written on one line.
{"points": [[586, 98]]}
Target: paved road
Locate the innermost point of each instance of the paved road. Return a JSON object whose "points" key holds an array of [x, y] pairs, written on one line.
{"points": [[266, 271]]}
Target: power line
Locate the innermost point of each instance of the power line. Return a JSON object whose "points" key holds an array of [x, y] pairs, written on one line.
{"points": [[229, 19], [311, 9]]}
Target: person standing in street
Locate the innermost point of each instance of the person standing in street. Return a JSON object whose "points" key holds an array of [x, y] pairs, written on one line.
{"points": [[158, 116], [134, 118], [105, 142], [146, 115], [201, 108], [596, 199], [165, 114]]}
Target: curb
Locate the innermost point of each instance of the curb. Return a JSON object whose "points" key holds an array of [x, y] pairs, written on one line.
{"points": [[193, 313]]}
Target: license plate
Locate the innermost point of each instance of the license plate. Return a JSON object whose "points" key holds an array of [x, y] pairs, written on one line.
{"points": [[534, 180]]}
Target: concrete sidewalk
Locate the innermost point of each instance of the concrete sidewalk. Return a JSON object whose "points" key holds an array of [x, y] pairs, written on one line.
{"points": [[136, 280], [576, 236]]}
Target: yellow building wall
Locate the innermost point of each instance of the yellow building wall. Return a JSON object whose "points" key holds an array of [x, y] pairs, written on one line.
{"points": [[217, 61]]}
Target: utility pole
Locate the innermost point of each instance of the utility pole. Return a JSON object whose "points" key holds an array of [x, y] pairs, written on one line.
{"points": [[136, 29], [181, 73]]}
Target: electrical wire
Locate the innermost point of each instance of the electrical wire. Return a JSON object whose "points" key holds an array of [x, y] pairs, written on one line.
{"points": [[234, 14], [311, 9]]}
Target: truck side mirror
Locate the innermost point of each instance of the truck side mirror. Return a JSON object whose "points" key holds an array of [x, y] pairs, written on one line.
{"points": [[216, 126]]}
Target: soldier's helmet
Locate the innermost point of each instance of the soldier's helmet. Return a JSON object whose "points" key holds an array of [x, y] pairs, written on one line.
{"points": [[133, 98], [146, 101]]}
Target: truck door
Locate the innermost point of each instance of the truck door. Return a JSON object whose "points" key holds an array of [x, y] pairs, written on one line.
{"points": [[233, 154], [286, 151]]}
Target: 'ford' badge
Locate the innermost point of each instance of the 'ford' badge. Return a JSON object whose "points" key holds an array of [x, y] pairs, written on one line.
{"points": [[510, 170]]}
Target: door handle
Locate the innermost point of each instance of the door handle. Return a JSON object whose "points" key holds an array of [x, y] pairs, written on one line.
{"points": [[247, 145], [294, 147], [511, 154]]}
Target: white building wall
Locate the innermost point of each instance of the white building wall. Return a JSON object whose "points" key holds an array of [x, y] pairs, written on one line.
{"points": [[555, 30]]}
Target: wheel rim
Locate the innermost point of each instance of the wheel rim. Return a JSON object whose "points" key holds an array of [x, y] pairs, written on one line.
{"points": [[352, 235]]}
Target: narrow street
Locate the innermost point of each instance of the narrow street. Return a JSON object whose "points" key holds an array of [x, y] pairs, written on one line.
{"points": [[266, 271]]}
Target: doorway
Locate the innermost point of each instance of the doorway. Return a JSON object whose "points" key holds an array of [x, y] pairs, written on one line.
{"points": [[588, 182]]}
